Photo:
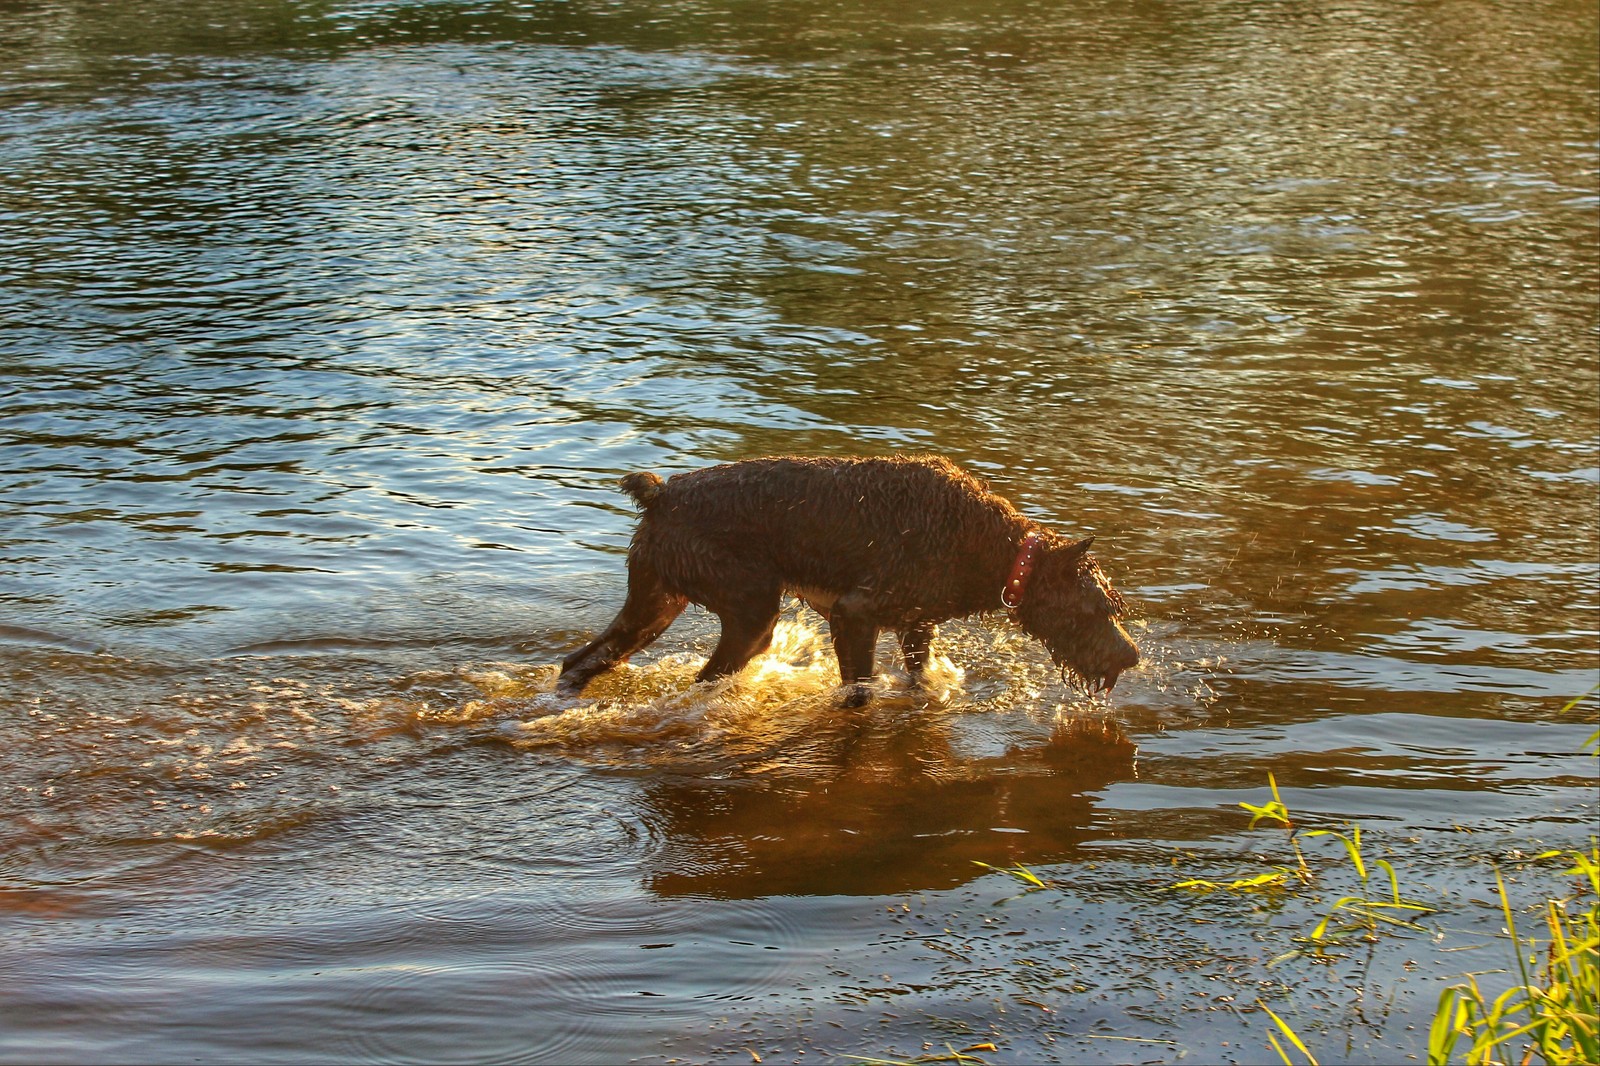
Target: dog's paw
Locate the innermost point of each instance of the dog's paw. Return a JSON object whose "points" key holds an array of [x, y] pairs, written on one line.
{"points": [[857, 695]]}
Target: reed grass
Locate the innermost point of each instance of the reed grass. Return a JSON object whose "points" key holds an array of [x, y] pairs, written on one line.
{"points": [[1555, 1012], [1349, 915], [1288, 1034], [1020, 872], [1361, 914], [1552, 1015], [1278, 811], [1593, 741]]}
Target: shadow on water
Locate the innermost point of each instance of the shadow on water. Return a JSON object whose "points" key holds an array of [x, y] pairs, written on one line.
{"points": [[904, 812]]}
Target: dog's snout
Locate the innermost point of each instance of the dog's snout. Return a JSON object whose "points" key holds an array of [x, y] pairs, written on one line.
{"points": [[1129, 657]]}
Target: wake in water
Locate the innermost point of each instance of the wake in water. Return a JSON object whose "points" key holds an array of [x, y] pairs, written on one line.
{"points": [[227, 753], [789, 688], [783, 713]]}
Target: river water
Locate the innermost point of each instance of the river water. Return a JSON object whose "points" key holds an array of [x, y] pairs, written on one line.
{"points": [[327, 327]]}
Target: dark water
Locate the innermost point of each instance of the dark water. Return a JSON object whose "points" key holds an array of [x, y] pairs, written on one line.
{"points": [[326, 328]]}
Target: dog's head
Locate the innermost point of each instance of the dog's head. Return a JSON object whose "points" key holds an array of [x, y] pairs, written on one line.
{"points": [[1072, 608]]}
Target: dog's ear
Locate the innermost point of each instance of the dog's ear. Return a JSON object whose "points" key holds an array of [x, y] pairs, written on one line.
{"points": [[1080, 546]]}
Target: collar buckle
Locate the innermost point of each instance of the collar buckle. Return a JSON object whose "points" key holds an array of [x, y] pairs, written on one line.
{"points": [[1017, 580]]}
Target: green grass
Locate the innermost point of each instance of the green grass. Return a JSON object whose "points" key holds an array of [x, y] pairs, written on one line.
{"points": [[1554, 1013], [1349, 916]]}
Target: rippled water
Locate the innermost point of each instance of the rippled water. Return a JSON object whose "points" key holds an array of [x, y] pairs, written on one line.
{"points": [[326, 329]]}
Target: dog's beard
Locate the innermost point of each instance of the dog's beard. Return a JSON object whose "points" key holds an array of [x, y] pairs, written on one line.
{"points": [[1089, 685]]}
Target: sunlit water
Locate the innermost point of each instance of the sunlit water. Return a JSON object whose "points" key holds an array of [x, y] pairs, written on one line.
{"points": [[326, 329]]}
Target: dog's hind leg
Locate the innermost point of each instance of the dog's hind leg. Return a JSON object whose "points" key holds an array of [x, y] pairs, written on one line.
{"points": [[645, 615], [915, 642], [747, 624], [855, 642]]}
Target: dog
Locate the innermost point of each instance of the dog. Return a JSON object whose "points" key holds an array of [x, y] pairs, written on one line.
{"points": [[898, 542]]}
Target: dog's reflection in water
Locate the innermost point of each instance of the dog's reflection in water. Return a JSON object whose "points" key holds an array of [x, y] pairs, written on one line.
{"points": [[901, 811]]}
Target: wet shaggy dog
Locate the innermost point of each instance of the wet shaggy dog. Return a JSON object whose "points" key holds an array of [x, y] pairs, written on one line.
{"points": [[900, 543]]}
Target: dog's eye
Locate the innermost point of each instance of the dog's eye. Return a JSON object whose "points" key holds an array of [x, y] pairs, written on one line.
{"points": [[1101, 598]]}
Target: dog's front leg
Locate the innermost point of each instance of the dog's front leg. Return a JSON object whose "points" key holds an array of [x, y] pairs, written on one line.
{"points": [[855, 639], [916, 642]]}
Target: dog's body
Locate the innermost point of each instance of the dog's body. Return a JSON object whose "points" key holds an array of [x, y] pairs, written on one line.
{"points": [[872, 544]]}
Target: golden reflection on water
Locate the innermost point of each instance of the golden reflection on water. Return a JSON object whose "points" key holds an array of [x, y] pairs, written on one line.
{"points": [[328, 329], [765, 784]]}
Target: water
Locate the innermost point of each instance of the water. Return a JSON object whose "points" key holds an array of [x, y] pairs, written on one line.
{"points": [[327, 329]]}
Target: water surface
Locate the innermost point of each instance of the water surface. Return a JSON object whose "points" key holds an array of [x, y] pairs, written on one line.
{"points": [[326, 329]]}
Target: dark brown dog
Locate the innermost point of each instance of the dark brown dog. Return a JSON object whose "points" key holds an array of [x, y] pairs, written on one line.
{"points": [[898, 543]]}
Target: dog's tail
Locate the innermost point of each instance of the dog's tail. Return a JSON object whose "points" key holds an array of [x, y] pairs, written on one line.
{"points": [[643, 486]]}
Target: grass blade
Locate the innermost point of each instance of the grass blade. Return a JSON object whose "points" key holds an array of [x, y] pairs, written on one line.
{"points": [[1294, 1037]]}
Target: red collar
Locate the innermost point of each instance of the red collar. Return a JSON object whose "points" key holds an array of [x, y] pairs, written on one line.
{"points": [[1017, 580]]}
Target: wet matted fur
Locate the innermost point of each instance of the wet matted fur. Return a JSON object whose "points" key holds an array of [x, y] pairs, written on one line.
{"points": [[900, 543]]}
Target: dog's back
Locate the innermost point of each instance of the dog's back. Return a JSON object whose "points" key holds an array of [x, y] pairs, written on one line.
{"points": [[903, 525]]}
